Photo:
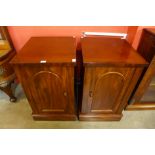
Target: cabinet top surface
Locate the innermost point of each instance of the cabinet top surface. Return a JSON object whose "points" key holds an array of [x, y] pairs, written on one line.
{"points": [[47, 49], [101, 50]]}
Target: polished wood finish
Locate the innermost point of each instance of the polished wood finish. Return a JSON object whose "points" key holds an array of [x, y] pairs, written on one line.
{"points": [[105, 85], [7, 52], [112, 69], [53, 50], [108, 51], [147, 49], [100, 117], [49, 86], [141, 106]]}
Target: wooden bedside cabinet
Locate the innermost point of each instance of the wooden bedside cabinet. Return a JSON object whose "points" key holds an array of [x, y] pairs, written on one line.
{"points": [[45, 68], [111, 70]]}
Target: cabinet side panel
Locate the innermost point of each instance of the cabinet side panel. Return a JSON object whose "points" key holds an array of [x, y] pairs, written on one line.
{"points": [[132, 85], [19, 70], [72, 107]]}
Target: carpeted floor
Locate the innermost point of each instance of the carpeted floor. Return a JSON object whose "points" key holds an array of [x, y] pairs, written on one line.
{"points": [[18, 115]]}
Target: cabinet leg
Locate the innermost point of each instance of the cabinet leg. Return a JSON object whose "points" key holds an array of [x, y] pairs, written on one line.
{"points": [[7, 89]]}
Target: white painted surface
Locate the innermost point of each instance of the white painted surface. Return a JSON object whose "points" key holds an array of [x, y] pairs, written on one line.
{"points": [[122, 35]]}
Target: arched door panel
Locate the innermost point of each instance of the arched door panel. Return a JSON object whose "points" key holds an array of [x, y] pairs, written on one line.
{"points": [[49, 91], [104, 89], [106, 92]]}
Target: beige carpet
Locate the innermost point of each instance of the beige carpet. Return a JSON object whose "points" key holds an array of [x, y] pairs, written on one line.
{"points": [[18, 115]]}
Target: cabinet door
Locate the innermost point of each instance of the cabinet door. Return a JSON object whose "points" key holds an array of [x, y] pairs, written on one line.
{"points": [[50, 89], [104, 88]]}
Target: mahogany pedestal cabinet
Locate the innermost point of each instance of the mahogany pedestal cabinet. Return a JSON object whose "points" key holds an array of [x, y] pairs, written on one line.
{"points": [[111, 70], [143, 97], [45, 68]]}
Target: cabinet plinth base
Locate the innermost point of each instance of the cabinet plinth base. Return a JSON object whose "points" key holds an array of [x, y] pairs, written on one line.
{"points": [[101, 117], [141, 106], [49, 117]]}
